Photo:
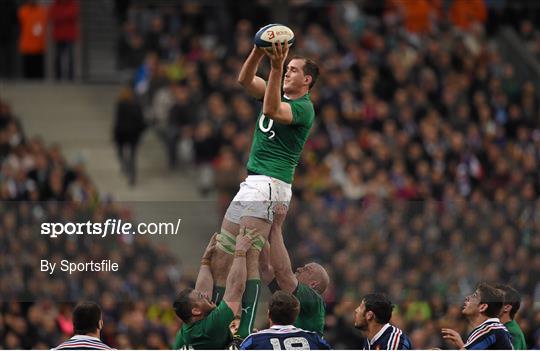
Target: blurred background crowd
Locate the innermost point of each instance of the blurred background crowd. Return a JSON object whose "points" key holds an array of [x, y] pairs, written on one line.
{"points": [[37, 186], [420, 178]]}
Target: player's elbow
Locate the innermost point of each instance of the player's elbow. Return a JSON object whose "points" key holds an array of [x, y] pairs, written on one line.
{"points": [[241, 80], [283, 272], [269, 112]]}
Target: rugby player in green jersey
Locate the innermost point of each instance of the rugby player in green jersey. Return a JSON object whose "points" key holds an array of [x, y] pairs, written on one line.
{"points": [[280, 134], [308, 283], [206, 324], [512, 302]]}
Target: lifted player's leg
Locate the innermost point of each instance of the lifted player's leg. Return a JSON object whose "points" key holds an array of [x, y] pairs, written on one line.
{"points": [[223, 257], [261, 229]]}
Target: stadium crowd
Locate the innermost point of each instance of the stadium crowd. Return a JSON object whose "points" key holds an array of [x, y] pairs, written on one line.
{"points": [[38, 185], [420, 178]]}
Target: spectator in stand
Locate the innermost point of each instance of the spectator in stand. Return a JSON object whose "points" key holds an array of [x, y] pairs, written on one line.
{"points": [[181, 117], [128, 127], [64, 17], [417, 14], [130, 48], [33, 19], [465, 13], [206, 146], [8, 36]]}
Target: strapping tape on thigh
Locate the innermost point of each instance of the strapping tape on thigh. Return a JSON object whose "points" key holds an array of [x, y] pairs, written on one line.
{"points": [[226, 242], [258, 240]]}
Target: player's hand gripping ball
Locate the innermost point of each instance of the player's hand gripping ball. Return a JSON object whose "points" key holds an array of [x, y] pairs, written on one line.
{"points": [[273, 33]]}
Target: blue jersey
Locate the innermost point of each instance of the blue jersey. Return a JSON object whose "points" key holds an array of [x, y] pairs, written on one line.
{"points": [[490, 335], [284, 337], [389, 338]]}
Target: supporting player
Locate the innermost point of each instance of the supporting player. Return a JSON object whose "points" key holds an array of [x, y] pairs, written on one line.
{"points": [[308, 283], [280, 134], [206, 325], [283, 309], [512, 302], [482, 309], [373, 318]]}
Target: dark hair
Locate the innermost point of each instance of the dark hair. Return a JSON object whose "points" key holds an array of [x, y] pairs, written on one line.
{"points": [[493, 297], [86, 317], [380, 305], [310, 69], [182, 305], [283, 308], [511, 297]]}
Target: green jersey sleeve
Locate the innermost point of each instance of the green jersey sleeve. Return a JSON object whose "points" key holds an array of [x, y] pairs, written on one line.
{"points": [[302, 112], [218, 320]]}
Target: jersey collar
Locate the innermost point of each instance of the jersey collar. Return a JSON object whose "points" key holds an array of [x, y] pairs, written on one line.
{"points": [[490, 320], [379, 334], [277, 327], [83, 337], [307, 95]]}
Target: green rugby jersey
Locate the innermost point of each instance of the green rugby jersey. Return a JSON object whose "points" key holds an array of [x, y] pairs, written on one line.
{"points": [[518, 339], [276, 147], [312, 312], [212, 332]]}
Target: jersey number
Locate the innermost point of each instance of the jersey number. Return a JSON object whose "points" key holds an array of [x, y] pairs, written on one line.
{"points": [[291, 344], [268, 127]]}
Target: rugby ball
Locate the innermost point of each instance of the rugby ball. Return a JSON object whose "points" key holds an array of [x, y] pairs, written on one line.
{"points": [[273, 33]]}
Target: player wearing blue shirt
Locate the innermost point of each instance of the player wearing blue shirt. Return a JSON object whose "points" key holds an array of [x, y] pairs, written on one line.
{"points": [[283, 310], [373, 317], [482, 309]]}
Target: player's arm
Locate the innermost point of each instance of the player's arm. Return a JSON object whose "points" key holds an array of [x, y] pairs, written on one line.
{"points": [[279, 257], [236, 280], [205, 280], [273, 107], [255, 86]]}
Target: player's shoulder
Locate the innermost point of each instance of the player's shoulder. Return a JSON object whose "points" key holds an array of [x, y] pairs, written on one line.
{"points": [[303, 101], [395, 338]]}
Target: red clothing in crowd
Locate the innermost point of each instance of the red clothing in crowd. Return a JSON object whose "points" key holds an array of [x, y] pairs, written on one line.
{"points": [[64, 16], [464, 13]]}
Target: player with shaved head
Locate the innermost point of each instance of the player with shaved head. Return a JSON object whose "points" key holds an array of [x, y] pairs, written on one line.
{"points": [[307, 283]]}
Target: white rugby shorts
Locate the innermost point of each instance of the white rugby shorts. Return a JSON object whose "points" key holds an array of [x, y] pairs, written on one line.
{"points": [[257, 197]]}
